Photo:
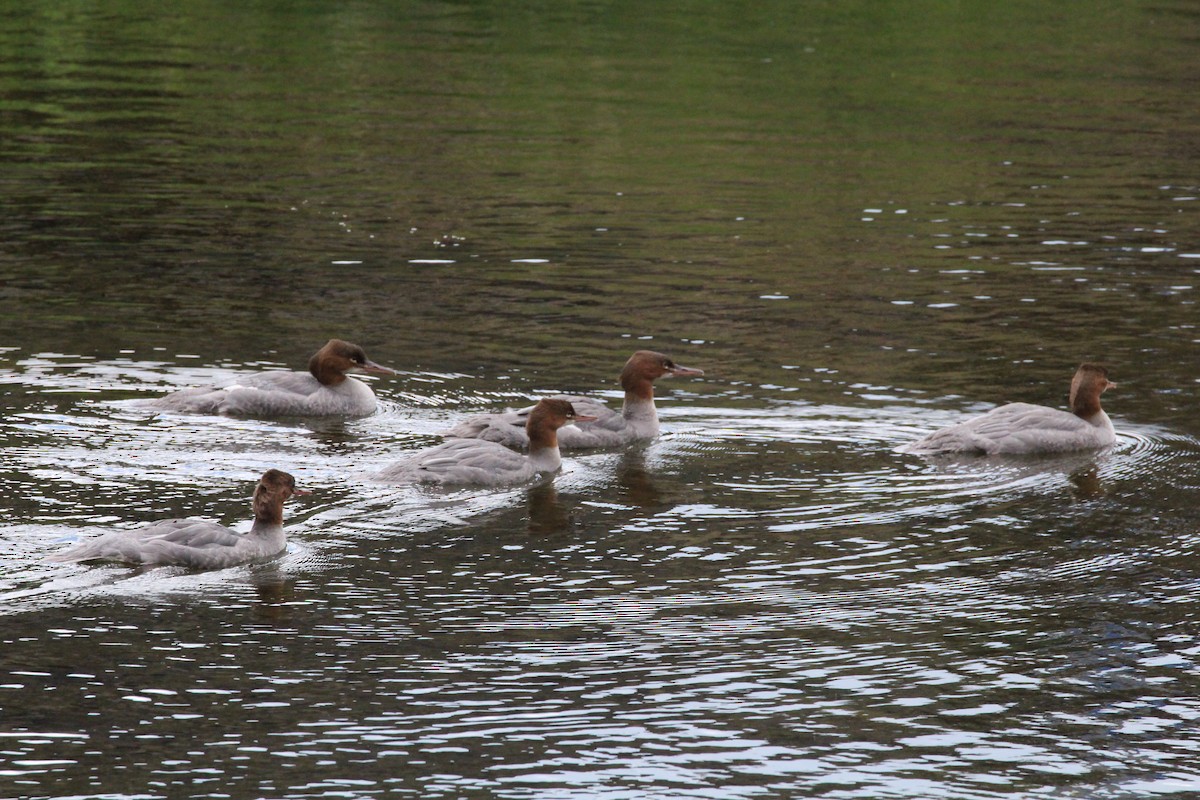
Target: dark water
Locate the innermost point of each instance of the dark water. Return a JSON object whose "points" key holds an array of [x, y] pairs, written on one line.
{"points": [[862, 222]]}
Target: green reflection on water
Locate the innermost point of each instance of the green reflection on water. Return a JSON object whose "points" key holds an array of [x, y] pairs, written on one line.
{"points": [[202, 172]]}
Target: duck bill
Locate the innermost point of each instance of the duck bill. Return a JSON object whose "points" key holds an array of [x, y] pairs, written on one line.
{"points": [[584, 418], [684, 372], [301, 492], [371, 366]]}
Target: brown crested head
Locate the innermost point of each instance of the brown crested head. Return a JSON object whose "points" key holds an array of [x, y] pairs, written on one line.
{"points": [[547, 417], [550, 413], [1090, 381], [645, 367], [330, 364], [273, 489]]}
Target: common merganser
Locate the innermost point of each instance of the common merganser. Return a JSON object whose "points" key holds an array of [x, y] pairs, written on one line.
{"points": [[325, 390], [637, 420], [197, 543], [479, 462], [1018, 428]]}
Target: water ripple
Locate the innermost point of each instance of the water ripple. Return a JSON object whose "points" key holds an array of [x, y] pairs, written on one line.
{"points": [[705, 609]]}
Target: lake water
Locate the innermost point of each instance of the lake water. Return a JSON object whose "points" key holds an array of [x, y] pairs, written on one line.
{"points": [[862, 221]]}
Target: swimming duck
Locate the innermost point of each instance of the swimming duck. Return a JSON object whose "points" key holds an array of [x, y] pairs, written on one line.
{"points": [[480, 462], [1018, 428], [325, 390], [637, 420], [196, 543]]}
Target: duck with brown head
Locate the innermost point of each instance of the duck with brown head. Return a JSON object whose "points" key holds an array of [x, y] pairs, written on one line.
{"points": [[636, 421], [1024, 428], [197, 543], [478, 462], [325, 390]]}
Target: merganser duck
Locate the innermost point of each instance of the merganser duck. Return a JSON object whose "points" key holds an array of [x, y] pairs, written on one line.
{"points": [[479, 462], [1019, 428], [325, 390], [637, 420], [197, 543]]}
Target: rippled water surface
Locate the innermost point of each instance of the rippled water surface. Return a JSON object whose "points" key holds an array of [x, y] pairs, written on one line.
{"points": [[863, 223]]}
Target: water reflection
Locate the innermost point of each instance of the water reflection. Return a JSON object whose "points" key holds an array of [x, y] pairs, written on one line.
{"points": [[547, 516], [1087, 483], [637, 483], [985, 474], [276, 593]]}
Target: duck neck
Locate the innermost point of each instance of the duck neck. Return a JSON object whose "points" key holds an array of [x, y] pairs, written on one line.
{"points": [[543, 450], [639, 410], [268, 508], [1085, 404], [639, 396], [325, 372]]}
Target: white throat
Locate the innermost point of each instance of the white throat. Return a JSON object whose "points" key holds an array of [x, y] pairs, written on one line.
{"points": [[641, 415], [545, 459]]}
